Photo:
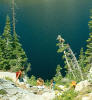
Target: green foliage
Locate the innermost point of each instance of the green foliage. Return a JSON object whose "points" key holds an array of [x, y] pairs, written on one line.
{"points": [[28, 68], [90, 22], [68, 95], [88, 52], [47, 83], [19, 56], [6, 46], [81, 59], [77, 77], [7, 30], [82, 63], [3, 92], [32, 81], [12, 55], [8, 78], [1, 53], [71, 64], [70, 76], [58, 75], [57, 88], [61, 47], [58, 69]]}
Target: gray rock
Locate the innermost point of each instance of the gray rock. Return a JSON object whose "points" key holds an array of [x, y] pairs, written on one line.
{"points": [[88, 97], [81, 85], [12, 91], [1, 87], [13, 98], [17, 93], [5, 98], [2, 81]]}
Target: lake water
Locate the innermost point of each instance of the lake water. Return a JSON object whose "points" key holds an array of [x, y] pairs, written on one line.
{"points": [[38, 24]]}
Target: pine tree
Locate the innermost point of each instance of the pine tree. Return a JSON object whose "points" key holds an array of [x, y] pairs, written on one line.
{"points": [[88, 52], [19, 56], [81, 59], [70, 59], [58, 75], [7, 45], [58, 69], [1, 53], [62, 49]]}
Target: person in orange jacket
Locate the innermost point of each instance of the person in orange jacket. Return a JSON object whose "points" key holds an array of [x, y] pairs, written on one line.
{"points": [[73, 84]]}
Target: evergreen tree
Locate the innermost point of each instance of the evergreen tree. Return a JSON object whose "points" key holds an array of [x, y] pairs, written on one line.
{"points": [[19, 56], [88, 52], [71, 62], [1, 53], [58, 75], [7, 45], [81, 59], [58, 69], [12, 55]]}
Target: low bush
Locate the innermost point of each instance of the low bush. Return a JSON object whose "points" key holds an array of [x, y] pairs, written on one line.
{"points": [[8, 78], [47, 83], [32, 81], [68, 95], [3, 92]]}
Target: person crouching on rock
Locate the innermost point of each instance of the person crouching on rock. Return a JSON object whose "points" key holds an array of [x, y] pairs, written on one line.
{"points": [[40, 83], [19, 75]]}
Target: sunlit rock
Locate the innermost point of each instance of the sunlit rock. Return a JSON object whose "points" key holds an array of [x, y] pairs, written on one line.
{"points": [[81, 85]]}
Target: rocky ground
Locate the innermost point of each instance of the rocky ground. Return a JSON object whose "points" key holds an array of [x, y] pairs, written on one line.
{"points": [[9, 91], [84, 89]]}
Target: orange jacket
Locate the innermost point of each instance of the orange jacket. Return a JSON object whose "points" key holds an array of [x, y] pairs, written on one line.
{"points": [[73, 83]]}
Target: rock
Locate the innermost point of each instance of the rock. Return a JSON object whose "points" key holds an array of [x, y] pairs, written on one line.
{"points": [[1, 87], [13, 98], [49, 96], [81, 85], [58, 93], [90, 75], [7, 85], [12, 91], [28, 86], [2, 81], [62, 87], [17, 93], [30, 95], [11, 76], [88, 97], [65, 80], [85, 98]]}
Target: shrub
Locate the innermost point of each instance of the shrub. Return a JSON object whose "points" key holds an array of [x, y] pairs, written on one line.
{"points": [[8, 78], [68, 95], [3, 92], [32, 80], [47, 83]]}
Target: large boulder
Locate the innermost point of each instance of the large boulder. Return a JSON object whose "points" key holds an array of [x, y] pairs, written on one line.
{"points": [[12, 76], [87, 97], [81, 85], [9, 91], [63, 88], [48, 95], [4, 75]]}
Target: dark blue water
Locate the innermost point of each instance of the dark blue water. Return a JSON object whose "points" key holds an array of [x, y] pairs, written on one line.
{"points": [[38, 24]]}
